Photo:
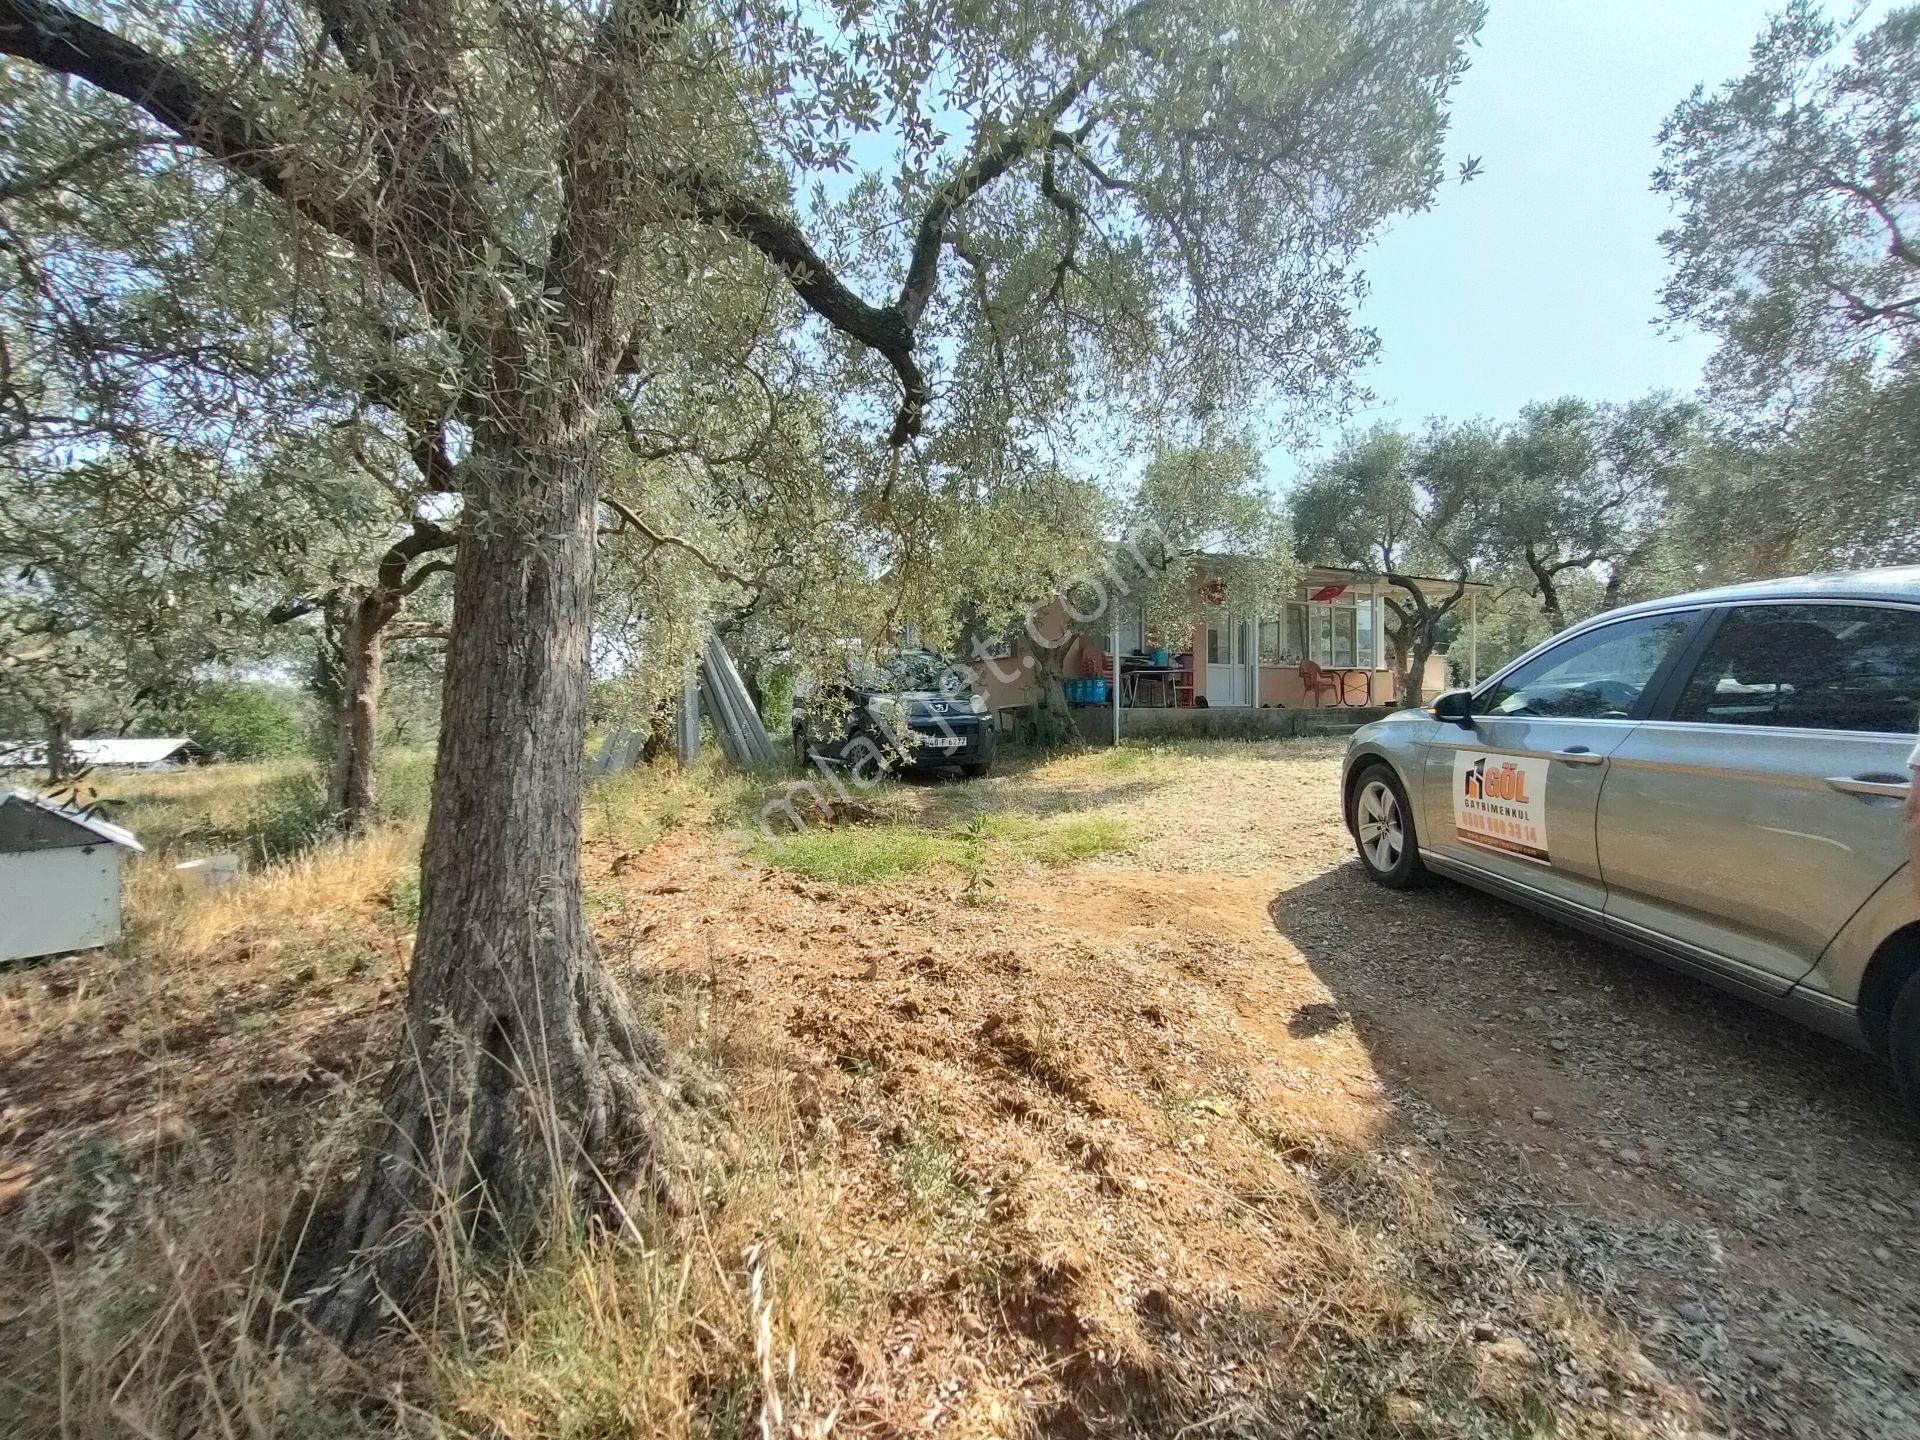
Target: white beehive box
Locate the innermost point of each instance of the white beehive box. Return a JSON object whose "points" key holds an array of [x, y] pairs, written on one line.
{"points": [[59, 877]]}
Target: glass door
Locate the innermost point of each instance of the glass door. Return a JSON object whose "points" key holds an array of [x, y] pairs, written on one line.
{"points": [[1230, 661]]}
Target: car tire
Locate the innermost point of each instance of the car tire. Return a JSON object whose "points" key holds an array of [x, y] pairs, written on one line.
{"points": [[1378, 813], [1903, 1044]]}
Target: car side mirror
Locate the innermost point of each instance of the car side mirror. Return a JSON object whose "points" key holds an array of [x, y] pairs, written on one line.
{"points": [[1455, 707]]}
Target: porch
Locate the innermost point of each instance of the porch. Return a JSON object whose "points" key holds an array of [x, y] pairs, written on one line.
{"points": [[1324, 647], [1323, 650]]}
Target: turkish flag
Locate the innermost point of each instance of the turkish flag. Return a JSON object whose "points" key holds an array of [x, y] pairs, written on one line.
{"points": [[1326, 593]]}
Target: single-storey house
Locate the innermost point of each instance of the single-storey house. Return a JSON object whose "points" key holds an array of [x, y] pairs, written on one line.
{"points": [[166, 752], [1335, 623]]}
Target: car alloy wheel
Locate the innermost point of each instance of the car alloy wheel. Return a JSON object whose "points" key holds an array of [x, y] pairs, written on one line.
{"points": [[1378, 823], [1383, 829]]}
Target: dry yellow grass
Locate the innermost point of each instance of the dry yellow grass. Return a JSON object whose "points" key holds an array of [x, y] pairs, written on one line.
{"points": [[1027, 1168]]}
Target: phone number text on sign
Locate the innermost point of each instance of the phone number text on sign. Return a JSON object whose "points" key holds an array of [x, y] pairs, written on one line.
{"points": [[1500, 803]]}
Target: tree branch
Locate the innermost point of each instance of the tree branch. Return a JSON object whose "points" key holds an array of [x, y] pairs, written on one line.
{"points": [[1076, 216], [425, 573], [405, 55], [1897, 246], [888, 329], [294, 608], [1021, 138], [423, 538], [599, 169], [630, 520], [436, 467], [882, 329], [58, 40], [19, 187]]}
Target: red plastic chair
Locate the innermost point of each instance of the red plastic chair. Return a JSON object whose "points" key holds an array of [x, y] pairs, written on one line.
{"points": [[1317, 681]]}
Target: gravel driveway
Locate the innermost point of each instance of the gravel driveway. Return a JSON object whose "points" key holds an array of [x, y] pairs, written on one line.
{"points": [[1741, 1193]]}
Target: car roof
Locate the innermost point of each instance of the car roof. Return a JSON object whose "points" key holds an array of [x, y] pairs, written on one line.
{"points": [[1900, 582]]}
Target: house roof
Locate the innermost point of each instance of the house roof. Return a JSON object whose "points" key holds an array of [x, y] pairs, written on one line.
{"points": [[29, 821], [1309, 568], [1376, 575], [106, 750]]}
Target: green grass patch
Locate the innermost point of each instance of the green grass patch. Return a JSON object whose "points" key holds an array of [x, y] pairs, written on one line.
{"points": [[863, 854], [1130, 760], [1079, 837], [1061, 841], [859, 854]]}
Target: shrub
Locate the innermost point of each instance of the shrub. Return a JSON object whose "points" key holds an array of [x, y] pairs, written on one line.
{"points": [[245, 722], [291, 815], [405, 783]]}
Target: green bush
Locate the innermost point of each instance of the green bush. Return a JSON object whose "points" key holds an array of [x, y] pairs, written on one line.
{"points": [[239, 721], [405, 783], [291, 816]]}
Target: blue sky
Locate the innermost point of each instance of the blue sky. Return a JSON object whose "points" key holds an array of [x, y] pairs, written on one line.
{"points": [[1542, 277]]}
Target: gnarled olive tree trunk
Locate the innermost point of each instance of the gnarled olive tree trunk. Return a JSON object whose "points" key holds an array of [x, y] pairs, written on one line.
{"points": [[356, 623], [522, 1068], [59, 725], [353, 645], [1410, 672]]}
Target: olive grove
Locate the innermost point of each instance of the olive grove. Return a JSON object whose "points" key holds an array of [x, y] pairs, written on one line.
{"points": [[767, 288]]}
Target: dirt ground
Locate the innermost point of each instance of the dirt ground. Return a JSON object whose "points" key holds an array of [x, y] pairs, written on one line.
{"points": [[1741, 1193], [1736, 1194], [1205, 1137]]}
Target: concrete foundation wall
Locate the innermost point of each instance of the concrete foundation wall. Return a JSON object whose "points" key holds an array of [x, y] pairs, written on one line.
{"points": [[1095, 722]]}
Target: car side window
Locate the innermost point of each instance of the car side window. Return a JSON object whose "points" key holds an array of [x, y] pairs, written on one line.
{"points": [[1812, 667], [1597, 675]]}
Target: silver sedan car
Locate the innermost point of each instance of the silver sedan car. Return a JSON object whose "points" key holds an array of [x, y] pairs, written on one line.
{"points": [[1716, 780]]}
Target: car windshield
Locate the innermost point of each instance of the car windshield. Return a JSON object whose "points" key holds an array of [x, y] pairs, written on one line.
{"points": [[907, 670], [1592, 676]]}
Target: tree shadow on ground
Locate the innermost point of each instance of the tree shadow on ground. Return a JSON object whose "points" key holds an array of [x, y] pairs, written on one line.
{"points": [[1494, 967], [1717, 1172]]}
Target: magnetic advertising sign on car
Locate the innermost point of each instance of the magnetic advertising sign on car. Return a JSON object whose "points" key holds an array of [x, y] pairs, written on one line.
{"points": [[1500, 803]]}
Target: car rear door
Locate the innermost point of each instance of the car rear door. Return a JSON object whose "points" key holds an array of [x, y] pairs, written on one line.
{"points": [[1759, 806], [1512, 799]]}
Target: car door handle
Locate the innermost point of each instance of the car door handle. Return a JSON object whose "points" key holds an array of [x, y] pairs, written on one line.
{"points": [[1579, 755], [1885, 785]]}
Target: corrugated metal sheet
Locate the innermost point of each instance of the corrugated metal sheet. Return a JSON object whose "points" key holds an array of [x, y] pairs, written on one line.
{"points": [[111, 750]]}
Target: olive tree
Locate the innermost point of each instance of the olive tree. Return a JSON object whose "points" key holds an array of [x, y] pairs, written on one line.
{"points": [[197, 388], [125, 579], [1412, 512], [1578, 490], [1166, 193], [1796, 186]]}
